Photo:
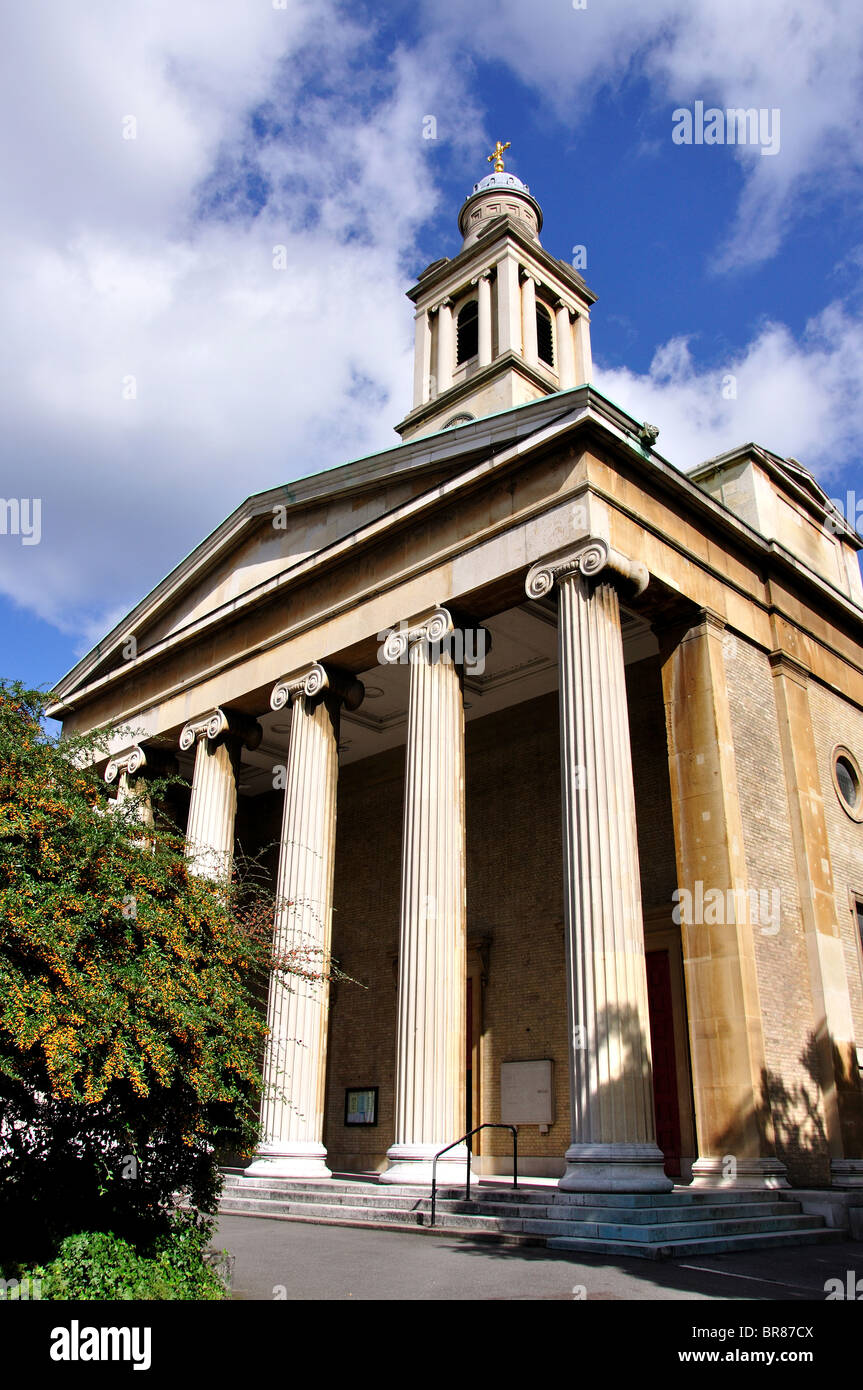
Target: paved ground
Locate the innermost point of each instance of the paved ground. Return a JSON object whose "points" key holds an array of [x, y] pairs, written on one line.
{"points": [[298, 1260]]}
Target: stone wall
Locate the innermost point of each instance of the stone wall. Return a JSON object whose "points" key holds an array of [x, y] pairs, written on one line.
{"points": [[781, 956], [514, 908]]}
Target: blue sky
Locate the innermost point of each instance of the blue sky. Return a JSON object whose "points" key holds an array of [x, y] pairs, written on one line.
{"points": [[157, 368]]}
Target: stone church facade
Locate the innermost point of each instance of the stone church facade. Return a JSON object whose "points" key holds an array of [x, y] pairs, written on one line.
{"points": [[559, 752]]}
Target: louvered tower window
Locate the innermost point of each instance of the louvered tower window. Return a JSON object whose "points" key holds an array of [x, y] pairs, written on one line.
{"points": [[467, 332], [544, 335]]}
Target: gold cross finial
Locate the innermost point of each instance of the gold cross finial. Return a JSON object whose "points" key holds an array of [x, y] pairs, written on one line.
{"points": [[496, 156]]}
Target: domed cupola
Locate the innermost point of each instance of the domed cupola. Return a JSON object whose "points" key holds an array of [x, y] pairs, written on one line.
{"points": [[494, 196]]}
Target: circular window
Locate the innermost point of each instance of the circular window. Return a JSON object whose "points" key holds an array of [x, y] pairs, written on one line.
{"points": [[848, 782]]}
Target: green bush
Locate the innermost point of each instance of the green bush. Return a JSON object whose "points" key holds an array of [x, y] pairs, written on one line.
{"points": [[97, 1265]]}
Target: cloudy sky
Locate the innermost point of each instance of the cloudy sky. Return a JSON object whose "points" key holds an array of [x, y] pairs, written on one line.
{"points": [[157, 367]]}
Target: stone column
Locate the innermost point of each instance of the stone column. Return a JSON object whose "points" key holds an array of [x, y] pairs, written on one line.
{"points": [[530, 350], [422, 358], [583, 360], [445, 346], [834, 1027], [613, 1130], [292, 1108], [124, 768], [130, 769], [734, 1125], [483, 294], [565, 347], [430, 1073], [217, 737], [508, 306]]}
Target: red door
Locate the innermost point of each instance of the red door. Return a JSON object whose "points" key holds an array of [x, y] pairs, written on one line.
{"points": [[468, 1081], [664, 1061]]}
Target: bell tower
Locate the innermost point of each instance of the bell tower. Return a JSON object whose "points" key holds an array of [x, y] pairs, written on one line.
{"points": [[503, 322]]}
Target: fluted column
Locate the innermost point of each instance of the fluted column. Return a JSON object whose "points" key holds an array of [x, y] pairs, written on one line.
{"points": [[565, 347], [131, 768], [483, 294], [530, 350], [445, 346], [217, 737], [430, 1079], [123, 769], [292, 1109], [613, 1144]]}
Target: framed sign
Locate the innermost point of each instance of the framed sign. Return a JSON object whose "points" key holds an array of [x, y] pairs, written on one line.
{"points": [[361, 1105]]}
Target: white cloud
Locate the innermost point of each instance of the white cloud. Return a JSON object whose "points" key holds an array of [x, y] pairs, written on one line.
{"points": [[152, 258], [799, 398], [805, 59], [157, 367]]}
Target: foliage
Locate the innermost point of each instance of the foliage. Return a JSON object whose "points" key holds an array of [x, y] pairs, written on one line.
{"points": [[99, 1265], [131, 1029]]}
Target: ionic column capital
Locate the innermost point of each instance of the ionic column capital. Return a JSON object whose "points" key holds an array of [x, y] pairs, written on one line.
{"points": [[218, 722], [434, 627], [591, 557], [315, 681], [442, 304], [560, 305], [484, 275], [524, 275], [129, 760]]}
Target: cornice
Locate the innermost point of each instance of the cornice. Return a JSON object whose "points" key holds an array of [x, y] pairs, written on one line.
{"points": [[503, 231], [580, 408]]}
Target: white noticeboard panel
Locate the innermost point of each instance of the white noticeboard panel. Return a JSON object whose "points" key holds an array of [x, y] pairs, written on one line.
{"points": [[526, 1096]]}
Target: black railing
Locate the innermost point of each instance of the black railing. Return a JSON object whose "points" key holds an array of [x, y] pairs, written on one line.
{"points": [[465, 1139]]}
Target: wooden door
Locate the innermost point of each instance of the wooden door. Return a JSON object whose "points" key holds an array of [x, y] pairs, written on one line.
{"points": [[665, 1098]]}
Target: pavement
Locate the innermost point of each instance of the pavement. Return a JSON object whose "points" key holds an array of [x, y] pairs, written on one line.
{"points": [[305, 1261]]}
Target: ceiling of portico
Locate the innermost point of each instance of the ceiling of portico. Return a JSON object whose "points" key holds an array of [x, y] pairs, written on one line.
{"points": [[521, 665]]}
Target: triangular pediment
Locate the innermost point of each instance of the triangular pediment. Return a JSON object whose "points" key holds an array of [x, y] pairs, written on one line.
{"points": [[282, 531]]}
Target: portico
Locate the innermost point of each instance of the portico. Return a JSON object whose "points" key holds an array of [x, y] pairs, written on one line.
{"points": [[493, 696]]}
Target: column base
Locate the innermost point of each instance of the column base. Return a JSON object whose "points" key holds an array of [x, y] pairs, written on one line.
{"points": [[747, 1174], [295, 1161], [412, 1164], [846, 1172], [614, 1168]]}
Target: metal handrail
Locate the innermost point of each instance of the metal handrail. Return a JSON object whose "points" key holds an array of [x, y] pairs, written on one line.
{"points": [[466, 1138]]}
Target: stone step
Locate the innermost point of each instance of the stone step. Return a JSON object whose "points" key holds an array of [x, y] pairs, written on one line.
{"points": [[380, 1217], [685, 1230], [646, 1225], [539, 1196], [526, 1222], [653, 1243], [675, 1249], [381, 1199]]}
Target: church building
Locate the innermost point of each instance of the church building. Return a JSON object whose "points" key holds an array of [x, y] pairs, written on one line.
{"points": [[560, 751]]}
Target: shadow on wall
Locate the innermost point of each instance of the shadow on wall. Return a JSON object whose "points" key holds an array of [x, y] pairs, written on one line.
{"points": [[797, 1116]]}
